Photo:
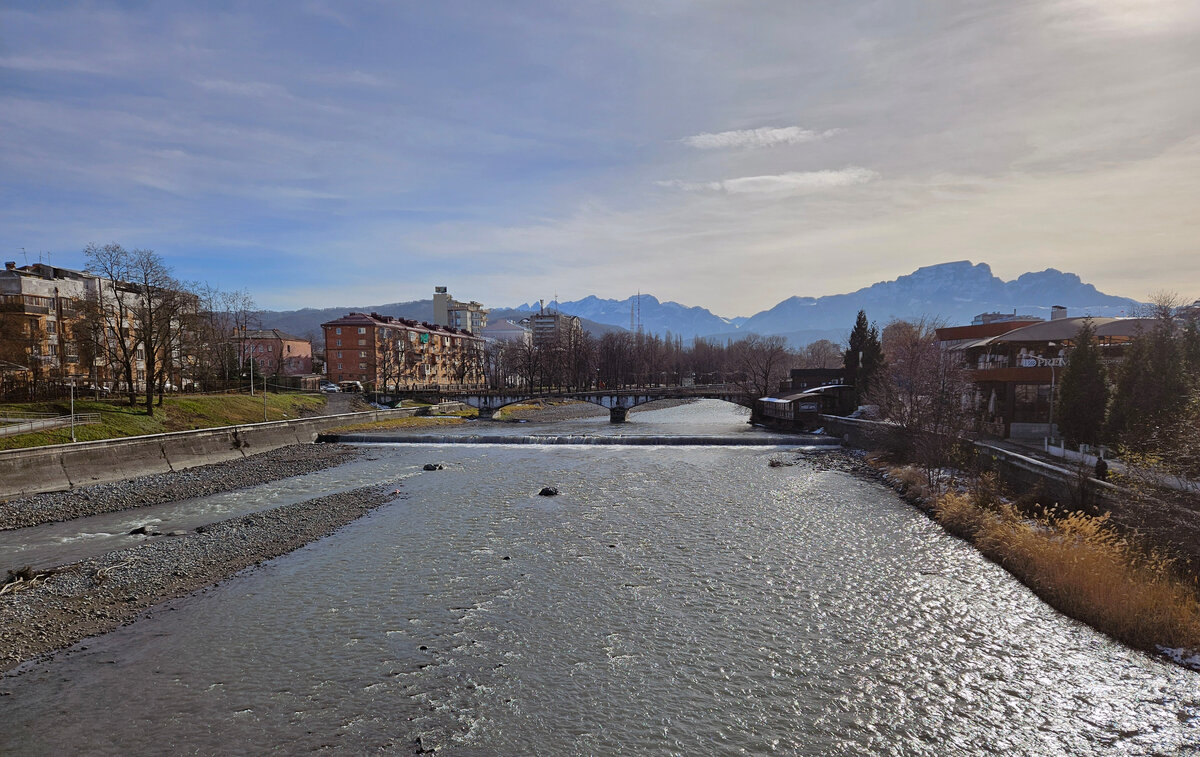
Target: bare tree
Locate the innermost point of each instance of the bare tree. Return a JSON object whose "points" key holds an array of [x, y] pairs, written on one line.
{"points": [[762, 362], [925, 392], [111, 306]]}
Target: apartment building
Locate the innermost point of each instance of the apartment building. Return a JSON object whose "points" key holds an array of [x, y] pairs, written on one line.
{"points": [[553, 328], [63, 326], [470, 317], [382, 353]]}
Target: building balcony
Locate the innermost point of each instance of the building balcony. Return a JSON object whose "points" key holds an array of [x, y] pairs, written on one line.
{"points": [[1034, 375]]}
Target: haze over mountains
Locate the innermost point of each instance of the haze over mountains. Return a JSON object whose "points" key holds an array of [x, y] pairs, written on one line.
{"points": [[954, 292]]}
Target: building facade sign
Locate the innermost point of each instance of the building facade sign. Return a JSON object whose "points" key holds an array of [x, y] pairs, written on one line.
{"points": [[1043, 362]]}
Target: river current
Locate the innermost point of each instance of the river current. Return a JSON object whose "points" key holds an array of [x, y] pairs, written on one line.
{"points": [[671, 600]]}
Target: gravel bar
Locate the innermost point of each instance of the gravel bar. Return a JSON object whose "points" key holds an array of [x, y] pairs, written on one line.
{"points": [[96, 595], [158, 488]]}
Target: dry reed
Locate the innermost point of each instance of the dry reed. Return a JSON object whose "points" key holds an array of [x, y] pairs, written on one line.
{"points": [[1084, 568]]}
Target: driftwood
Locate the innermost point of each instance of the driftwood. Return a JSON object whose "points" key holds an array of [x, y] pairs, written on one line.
{"points": [[104, 573]]}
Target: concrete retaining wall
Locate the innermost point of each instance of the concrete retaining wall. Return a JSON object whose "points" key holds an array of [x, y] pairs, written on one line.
{"points": [[66, 466], [1019, 473]]}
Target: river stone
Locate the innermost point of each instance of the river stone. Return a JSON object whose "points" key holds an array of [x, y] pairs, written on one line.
{"points": [[548, 491]]}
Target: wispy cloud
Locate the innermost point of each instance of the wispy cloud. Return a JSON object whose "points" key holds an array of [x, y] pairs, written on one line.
{"points": [[794, 182], [754, 138]]}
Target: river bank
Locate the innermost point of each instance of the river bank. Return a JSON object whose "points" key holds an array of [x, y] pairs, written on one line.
{"points": [[285, 462], [1132, 583], [54, 610]]}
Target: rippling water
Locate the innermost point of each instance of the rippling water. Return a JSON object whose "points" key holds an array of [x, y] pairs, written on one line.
{"points": [[670, 601]]}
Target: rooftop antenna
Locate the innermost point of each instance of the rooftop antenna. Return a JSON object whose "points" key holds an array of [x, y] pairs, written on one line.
{"points": [[25, 255]]}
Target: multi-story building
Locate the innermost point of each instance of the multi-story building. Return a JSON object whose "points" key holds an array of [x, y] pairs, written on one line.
{"points": [[382, 352], [276, 353], [552, 327], [507, 331], [470, 317], [73, 326], [1015, 366], [41, 307]]}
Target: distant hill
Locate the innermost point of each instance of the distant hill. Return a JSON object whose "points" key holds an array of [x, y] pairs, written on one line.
{"points": [[954, 292], [655, 317]]}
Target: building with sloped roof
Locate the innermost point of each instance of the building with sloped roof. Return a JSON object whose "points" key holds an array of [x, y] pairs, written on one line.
{"points": [[276, 353], [385, 353]]}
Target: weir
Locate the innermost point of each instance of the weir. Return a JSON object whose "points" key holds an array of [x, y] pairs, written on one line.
{"points": [[673, 440]]}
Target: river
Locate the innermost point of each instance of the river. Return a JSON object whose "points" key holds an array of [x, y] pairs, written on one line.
{"points": [[671, 600]]}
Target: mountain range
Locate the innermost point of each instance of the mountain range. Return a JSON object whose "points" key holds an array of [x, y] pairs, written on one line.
{"points": [[953, 292]]}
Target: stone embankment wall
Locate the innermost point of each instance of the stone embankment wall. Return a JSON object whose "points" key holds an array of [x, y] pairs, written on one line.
{"points": [[1018, 472], [65, 466]]}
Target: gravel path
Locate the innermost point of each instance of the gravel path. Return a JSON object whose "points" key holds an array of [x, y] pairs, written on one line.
{"points": [[284, 462], [95, 596]]}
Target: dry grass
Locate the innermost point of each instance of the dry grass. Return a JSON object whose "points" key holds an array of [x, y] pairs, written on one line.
{"points": [[1083, 567], [416, 421]]}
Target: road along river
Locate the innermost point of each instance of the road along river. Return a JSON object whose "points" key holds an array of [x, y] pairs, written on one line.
{"points": [[671, 600]]}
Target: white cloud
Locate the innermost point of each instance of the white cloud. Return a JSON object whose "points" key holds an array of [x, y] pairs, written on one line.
{"points": [[754, 138], [795, 182]]}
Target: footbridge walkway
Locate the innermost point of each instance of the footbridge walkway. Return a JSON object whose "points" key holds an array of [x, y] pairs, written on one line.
{"points": [[618, 402]]}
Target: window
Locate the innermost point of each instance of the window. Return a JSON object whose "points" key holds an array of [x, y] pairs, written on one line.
{"points": [[338, 330], [362, 366], [339, 343], [362, 342], [362, 329], [362, 354], [270, 348], [51, 327], [339, 366], [339, 354]]}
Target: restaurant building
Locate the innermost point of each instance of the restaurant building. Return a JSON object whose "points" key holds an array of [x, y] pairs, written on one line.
{"points": [[1015, 366]]}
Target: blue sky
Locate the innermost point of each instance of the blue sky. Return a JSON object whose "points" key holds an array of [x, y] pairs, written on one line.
{"points": [[727, 154]]}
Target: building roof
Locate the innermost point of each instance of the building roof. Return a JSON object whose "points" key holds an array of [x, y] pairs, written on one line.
{"points": [[1052, 331], [273, 334], [375, 319]]}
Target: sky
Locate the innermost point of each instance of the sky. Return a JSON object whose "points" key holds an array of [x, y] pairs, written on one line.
{"points": [[728, 154]]}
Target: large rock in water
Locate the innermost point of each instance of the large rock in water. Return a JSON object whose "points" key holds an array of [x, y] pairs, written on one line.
{"points": [[434, 466], [548, 491]]}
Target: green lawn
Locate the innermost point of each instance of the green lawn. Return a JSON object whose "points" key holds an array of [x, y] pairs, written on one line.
{"points": [[177, 414]]}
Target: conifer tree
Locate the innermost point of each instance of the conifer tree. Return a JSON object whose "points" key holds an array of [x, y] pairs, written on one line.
{"points": [[1152, 385], [863, 358], [1083, 392]]}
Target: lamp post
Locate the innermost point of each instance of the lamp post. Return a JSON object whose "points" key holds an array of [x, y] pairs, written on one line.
{"points": [[72, 408], [1050, 428]]}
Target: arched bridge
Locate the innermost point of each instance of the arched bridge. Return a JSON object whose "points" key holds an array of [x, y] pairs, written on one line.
{"points": [[618, 401]]}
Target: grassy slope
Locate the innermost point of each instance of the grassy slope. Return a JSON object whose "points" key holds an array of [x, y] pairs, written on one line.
{"points": [[176, 414]]}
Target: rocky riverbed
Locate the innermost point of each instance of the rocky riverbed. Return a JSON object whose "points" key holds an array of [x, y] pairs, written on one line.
{"points": [[55, 610], [284, 462]]}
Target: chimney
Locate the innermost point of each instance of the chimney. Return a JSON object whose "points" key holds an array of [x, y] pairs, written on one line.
{"points": [[10, 265], [1057, 312]]}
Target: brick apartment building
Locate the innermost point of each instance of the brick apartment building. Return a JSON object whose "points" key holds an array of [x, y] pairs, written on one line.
{"points": [[383, 352]]}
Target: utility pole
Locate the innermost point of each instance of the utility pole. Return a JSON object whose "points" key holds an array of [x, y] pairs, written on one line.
{"points": [[72, 409], [264, 398]]}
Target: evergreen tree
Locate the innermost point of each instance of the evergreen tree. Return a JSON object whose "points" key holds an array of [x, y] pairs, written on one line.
{"points": [[1152, 385], [1083, 392], [863, 359]]}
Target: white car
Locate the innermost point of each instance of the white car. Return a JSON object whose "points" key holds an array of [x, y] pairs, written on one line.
{"points": [[330, 388]]}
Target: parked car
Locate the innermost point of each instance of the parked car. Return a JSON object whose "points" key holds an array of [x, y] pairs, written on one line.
{"points": [[351, 386], [329, 387]]}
